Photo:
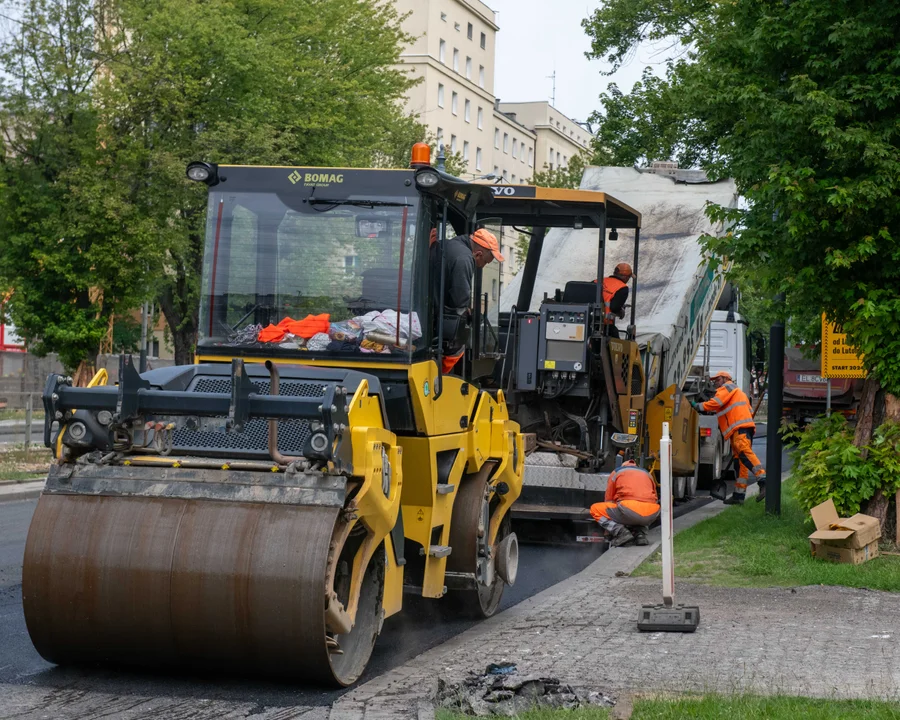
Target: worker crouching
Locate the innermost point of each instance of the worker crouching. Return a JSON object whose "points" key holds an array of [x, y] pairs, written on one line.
{"points": [[630, 506], [732, 409]]}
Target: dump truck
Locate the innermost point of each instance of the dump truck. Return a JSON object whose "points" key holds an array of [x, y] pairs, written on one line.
{"points": [[676, 292], [806, 391], [266, 508]]}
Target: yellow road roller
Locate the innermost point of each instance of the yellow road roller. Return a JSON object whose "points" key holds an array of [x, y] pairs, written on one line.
{"points": [[265, 509]]}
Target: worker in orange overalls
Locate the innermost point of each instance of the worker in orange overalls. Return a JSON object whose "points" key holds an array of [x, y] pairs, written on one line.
{"points": [[615, 293], [732, 408], [630, 503]]}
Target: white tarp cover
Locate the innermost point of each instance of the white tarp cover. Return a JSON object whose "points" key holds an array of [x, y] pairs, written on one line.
{"points": [[670, 264]]}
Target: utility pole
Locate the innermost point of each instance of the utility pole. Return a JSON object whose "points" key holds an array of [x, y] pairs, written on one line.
{"points": [[776, 405], [145, 311], [553, 96]]}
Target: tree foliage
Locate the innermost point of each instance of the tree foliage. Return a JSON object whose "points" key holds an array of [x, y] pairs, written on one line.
{"points": [[799, 102], [286, 82]]}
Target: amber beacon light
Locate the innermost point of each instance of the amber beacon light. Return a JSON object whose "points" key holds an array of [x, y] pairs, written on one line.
{"points": [[421, 155]]}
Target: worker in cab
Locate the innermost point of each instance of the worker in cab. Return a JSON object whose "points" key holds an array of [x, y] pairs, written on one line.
{"points": [[630, 505], [732, 409], [462, 255], [615, 294]]}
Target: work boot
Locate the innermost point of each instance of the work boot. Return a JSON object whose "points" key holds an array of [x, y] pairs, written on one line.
{"points": [[640, 537], [762, 490], [735, 499], [719, 490], [623, 537]]}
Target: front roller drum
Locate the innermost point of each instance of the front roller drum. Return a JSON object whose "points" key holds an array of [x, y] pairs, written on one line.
{"points": [[164, 582]]}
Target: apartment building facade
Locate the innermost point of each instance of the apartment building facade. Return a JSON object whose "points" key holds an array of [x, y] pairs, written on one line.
{"points": [[453, 57]]}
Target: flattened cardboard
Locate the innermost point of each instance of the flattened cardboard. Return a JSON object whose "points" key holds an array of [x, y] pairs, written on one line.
{"points": [[857, 532], [844, 555]]}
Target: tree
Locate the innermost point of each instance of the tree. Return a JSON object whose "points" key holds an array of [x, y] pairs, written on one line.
{"points": [[799, 102], [68, 276]]}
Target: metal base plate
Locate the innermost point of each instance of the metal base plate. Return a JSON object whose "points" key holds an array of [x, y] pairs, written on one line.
{"points": [[677, 618]]}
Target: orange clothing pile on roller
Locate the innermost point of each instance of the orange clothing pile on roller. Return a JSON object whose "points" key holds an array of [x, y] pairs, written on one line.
{"points": [[629, 487], [305, 328]]}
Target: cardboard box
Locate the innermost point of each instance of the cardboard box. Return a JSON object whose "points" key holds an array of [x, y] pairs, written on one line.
{"points": [[849, 556], [846, 540]]}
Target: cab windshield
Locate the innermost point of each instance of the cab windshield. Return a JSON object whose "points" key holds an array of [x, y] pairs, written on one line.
{"points": [[317, 275]]}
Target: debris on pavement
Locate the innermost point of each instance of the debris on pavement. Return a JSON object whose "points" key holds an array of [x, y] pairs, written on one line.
{"points": [[500, 691]]}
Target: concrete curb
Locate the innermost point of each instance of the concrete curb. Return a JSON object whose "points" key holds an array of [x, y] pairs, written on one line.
{"points": [[21, 491]]}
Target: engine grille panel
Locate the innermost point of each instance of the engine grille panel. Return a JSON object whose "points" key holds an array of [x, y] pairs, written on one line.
{"points": [[254, 440]]}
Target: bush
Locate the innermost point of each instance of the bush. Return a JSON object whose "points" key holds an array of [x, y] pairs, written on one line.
{"points": [[829, 465]]}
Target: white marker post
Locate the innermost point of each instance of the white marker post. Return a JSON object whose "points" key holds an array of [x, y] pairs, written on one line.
{"points": [[665, 501], [667, 617]]}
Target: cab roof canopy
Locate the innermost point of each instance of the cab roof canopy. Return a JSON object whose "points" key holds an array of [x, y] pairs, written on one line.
{"points": [[557, 208]]}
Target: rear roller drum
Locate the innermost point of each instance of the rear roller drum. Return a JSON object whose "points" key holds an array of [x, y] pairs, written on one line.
{"points": [[468, 538]]}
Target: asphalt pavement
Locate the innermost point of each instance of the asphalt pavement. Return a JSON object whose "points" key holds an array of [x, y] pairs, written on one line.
{"points": [[416, 629]]}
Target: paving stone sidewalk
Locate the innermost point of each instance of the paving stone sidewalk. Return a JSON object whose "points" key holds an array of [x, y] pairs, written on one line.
{"points": [[811, 641]]}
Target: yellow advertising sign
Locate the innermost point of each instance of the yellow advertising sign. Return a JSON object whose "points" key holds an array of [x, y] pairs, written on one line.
{"points": [[839, 360]]}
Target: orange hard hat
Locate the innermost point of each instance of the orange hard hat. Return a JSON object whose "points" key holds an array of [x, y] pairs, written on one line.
{"points": [[624, 269], [724, 374], [488, 240]]}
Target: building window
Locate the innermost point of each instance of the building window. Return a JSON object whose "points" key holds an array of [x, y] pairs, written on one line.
{"points": [[469, 31], [442, 51], [565, 160], [513, 178], [466, 150], [515, 148], [530, 157], [444, 17], [456, 27], [440, 134], [468, 111], [349, 263], [506, 142], [497, 172], [455, 60], [481, 76], [551, 154], [478, 159], [440, 95], [453, 143], [557, 159], [468, 68], [496, 138], [454, 103], [504, 174], [480, 118], [483, 41]]}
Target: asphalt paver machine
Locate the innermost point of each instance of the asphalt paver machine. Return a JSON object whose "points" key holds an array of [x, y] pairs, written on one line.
{"points": [[263, 510], [586, 396]]}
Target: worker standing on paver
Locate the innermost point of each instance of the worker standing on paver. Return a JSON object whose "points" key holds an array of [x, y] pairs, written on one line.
{"points": [[732, 408], [615, 293], [630, 505]]}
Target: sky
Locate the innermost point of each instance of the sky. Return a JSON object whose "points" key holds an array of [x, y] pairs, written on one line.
{"points": [[539, 36]]}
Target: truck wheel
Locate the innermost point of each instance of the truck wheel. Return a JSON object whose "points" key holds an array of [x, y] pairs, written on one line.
{"points": [[711, 472]]}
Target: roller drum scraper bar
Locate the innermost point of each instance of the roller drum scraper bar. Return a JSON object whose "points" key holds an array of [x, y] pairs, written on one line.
{"points": [[667, 617]]}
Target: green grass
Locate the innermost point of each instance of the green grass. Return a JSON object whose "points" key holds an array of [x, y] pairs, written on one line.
{"points": [[9, 414], [744, 547], [16, 465], [715, 707]]}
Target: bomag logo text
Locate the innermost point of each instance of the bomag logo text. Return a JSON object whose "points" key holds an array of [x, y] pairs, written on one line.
{"points": [[317, 179]]}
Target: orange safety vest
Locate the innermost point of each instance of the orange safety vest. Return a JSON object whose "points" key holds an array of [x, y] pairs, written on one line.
{"points": [[732, 408], [630, 482], [611, 285]]}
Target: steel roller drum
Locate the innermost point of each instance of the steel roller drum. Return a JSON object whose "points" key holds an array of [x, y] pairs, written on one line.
{"points": [[165, 582]]}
